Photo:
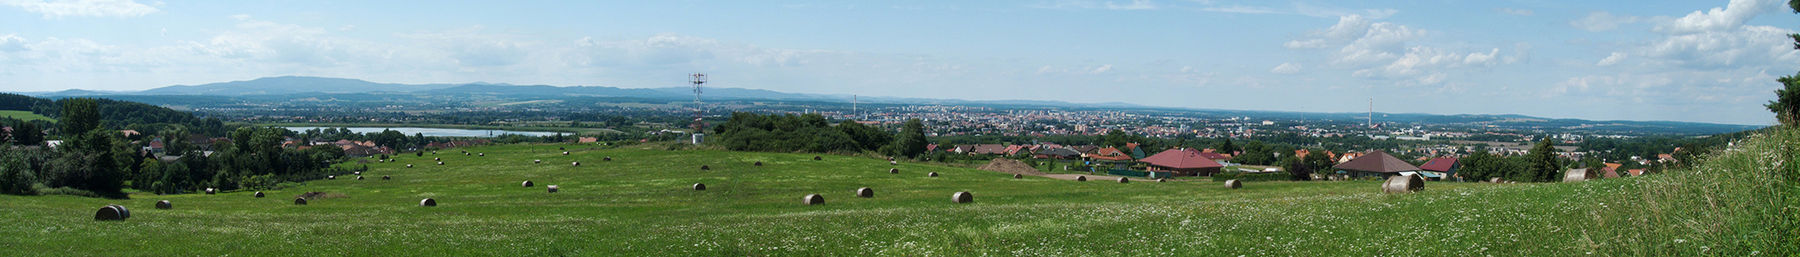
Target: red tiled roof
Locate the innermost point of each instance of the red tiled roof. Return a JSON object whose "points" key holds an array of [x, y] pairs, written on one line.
{"points": [[1441, 164], [1110, 154], [1215, 156], [1181, 159]]}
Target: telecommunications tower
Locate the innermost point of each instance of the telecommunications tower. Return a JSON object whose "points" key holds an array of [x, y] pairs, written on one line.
{"points": [[699, 126]]}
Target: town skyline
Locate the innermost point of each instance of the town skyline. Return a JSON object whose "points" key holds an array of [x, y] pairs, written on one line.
{"points": [[1710, 61]]}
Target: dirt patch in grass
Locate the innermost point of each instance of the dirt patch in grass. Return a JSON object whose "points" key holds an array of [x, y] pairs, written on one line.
{"points": [[1011, 166]]}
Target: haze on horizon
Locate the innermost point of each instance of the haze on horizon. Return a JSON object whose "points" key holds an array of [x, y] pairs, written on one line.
{"points": [[1701, 61]]}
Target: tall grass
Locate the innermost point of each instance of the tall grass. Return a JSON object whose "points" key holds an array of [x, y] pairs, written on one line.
{"points": [[1738, 202]]}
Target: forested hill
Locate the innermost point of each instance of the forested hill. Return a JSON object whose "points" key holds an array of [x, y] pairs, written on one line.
{"points": [[115, 114]]}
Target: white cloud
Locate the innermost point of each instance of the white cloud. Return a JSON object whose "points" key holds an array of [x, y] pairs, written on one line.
{"points": [[1731, 16], [1602, 21], [11, 43], [1611, 59], [1102, 69], [1241, 9], [1306, 44], [82, 8], [1394, 52], [1519, 12], [1286, 68]]}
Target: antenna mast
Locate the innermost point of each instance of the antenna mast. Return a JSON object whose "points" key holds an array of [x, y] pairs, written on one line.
{"points": [[698, 79], [1371, 112]]}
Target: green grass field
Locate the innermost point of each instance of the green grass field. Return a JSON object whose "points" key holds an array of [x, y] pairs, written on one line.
{"points": [[24, 115], [641, 204]]}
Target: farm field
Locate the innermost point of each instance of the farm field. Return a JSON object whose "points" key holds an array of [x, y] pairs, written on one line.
{"points": [[641, 204], [24, 115]]}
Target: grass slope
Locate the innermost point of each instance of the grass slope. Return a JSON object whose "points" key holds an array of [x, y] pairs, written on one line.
{"points": [[24, 115], [640, 204]]}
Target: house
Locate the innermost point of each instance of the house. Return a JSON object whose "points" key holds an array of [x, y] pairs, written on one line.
{"points": [[1217, 157], [585, 140], [1440, 168], [1635, 172], [1611, 170], [1086, 149], [1016, 149], [130, 133], [1182, 162], [1112, 157], [1057, 153], [1377, 163], [1665, 158]]}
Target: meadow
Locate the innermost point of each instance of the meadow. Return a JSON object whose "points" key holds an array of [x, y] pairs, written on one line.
{"points": [[641, 204], [25, 116]]}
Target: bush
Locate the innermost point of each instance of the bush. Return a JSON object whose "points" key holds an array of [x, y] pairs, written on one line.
{"points": [[1241, 176], [260, 182], [41, 190]]}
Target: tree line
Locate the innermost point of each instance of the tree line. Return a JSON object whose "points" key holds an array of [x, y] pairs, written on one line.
{"points": [[813, 133]]}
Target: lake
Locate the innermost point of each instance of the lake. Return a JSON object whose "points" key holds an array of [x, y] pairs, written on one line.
{"points": [[437, 132]]}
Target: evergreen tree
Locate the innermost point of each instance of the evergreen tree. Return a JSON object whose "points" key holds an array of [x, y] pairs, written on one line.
{"points": [[1542, 163], [911, 142], [79, 115], [1787, 100], [1226, 147]]}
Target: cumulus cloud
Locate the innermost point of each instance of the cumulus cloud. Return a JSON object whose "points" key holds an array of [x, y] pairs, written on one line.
{"points": [[11, 43], [1731, 16], [1392, 52], [1286, 68], [82, 8], [1602, 21]]}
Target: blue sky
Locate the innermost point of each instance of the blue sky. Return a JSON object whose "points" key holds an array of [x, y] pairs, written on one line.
{"points": [[1704, 61]]}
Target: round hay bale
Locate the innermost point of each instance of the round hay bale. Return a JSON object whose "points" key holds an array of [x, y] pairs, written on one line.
{"points": [[890, 159], [299, 201], [1018, 176], [385, 177], [1234, 184], [526, 184], [164, 204], [577, 164], [537, 161], [932, 174], [813, 199], [259, 194], [551, 188], [409, 165], [1579, 175], [465, 153], [865, 192], [428, 202], [1123, 180], [559, 148], [1081, 178], [440, 163], [357, 173], [565, 152], [894, 171], [699, 187], [1403, 184], [1495, 180], [436, 159], [704, 167], [327, 177], [893, 163], [818, 158], [606, 159], [962, 197], [481, 154], [112, 212], [759, 163], [210, 190], [358, 177], [1162, 180]]}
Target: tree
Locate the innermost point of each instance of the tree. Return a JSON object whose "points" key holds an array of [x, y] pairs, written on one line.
{"points": [[1787, 99], [1226, 147], [27, 134], [16, 176], [1297, 168], [1542, 163], [79, 115], [911, 142]]}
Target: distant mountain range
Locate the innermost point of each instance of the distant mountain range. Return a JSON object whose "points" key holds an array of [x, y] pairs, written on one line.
{"points": [[289, 86]]}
